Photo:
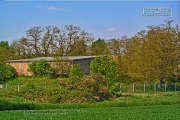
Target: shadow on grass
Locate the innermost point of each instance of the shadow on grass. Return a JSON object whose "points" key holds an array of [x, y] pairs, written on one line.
{"points": [[6, 105]]}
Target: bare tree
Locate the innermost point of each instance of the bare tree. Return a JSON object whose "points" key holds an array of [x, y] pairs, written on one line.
{"points": [[35, 36], [48, 41], [69, 35], [26, 47], [16, 49]]}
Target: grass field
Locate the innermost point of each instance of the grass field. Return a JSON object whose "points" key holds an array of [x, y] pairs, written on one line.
{"points": [[159, 112], [129, 106], [126, 100]]}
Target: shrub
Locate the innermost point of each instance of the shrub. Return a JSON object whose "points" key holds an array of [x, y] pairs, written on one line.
{"points": [[61, 67], [76, 73], [91, 88], [7, 72], [57, 95], [40, 67], [95, 84], [106, 66], [171, 79]]}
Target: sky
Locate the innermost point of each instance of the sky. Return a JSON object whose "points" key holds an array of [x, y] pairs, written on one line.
{"points": [[105, 19]]}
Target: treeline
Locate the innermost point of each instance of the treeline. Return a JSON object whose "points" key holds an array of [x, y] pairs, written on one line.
{"points": [[150, 55]]}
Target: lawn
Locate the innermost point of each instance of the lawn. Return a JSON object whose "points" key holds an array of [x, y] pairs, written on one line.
{"points": [[157, 112]]}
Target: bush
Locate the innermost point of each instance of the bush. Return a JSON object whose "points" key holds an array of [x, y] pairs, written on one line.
{"points": [[7, 72], [171, 79], [106, 66], [40, 67], [95, 84], [56, 95], [76, 73]]}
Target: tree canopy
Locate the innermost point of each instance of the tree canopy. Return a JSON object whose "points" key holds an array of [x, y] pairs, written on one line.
{"points": [[106, 66], [152, 55]]}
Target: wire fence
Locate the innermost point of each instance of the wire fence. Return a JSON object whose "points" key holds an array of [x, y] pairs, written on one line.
{"points": [[122, 88], [144, 87]]}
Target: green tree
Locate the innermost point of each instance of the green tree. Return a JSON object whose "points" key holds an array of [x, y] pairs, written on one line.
{"points": [[40, 67], [5, 52], [106, 66], [7, 72], [132, 59], [99, 47], [78, 48], [163, 44], [76, 73], [153, 55]]}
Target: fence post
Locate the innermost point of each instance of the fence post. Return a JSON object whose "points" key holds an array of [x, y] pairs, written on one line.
{"points": [[120, 85], [133, 86], [165, 86], [155, 87], [45, 86], [144, 87], [175, 86]]}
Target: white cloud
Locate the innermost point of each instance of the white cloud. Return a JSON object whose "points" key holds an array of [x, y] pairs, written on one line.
{"points": [[112, 29], [49, 8], [54, 8]]}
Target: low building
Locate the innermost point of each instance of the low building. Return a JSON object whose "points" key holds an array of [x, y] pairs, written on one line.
{"points": [[22, 65]]}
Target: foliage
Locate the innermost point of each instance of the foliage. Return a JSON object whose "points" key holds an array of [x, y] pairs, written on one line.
{"points": [[152, 55], [107, 67], [90, 89], [76, 73], [171, 79], [61, 66], [78, 48], [5, 51], [126, 100], [7, 72], [93, 87], [40, 67], [99, 47], [95, 84], [177, 74]]}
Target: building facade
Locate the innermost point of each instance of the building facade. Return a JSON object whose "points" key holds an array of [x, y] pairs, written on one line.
{"points": [[22, 65]]}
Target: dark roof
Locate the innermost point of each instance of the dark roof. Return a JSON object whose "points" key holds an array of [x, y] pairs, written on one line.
{"points": [[69, 58]]}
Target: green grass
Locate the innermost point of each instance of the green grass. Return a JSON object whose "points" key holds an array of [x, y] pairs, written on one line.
{"points": [[159, 112], [23, 81], [126, 100]]}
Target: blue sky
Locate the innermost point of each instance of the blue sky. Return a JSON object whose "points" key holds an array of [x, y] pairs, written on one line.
{"points": [[105, 19]]}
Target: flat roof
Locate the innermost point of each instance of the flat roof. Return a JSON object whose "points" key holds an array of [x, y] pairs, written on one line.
{"points": [[68, 58]]}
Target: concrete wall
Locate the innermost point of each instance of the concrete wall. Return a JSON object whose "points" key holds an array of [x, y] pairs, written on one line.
{"points": [[84, 64]]}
